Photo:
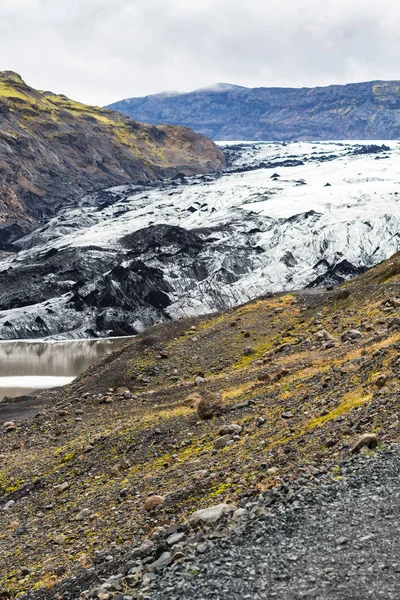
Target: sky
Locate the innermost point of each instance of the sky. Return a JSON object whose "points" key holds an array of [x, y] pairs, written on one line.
{"points": [[100, 51]]}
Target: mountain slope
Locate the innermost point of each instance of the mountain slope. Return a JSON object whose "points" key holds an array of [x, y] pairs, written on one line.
{"points": [[53, 150], [357, 111], [302, 376]]}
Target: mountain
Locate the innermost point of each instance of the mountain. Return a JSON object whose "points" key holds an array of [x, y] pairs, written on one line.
{"points": [[53, 150], [93, 487], [279, 217], [359, 111]]}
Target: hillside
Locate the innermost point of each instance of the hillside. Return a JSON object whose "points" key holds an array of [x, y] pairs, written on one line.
{"points": [[359, 111], [53, 150], [290, 381]]}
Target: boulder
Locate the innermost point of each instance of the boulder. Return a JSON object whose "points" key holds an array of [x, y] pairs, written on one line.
{"points": [[231, 429], [368, 440], [153, 502]]}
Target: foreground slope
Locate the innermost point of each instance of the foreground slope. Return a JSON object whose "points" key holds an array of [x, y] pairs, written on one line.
{"points": [[53, 150], [303, 375], [357, 111], [335, 541]]}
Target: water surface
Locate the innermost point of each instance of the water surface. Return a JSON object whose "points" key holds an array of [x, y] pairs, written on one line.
{"points": [[26, 366]]}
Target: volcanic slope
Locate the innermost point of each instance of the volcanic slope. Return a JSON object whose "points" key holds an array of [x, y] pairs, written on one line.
{"points": [[53, 150], [303, 376]]}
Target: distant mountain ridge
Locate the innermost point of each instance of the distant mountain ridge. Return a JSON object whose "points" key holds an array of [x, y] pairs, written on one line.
{"points": [[368, 110], [54, 150]]}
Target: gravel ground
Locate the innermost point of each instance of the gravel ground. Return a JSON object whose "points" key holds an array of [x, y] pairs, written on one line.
{"points": [[339, 541]]}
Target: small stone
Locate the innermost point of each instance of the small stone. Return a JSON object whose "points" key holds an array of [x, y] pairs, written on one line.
{"points": [[153, 502], [164, 561], [352, 334], [175, 538], [83, 514], [287, 415], [146, 547], [260, 421], [124, 464], [61, 487], [199, 380], [248, 351], [272, 471], [9, 505], [21, 531], [342, 541], [123, 391], [211, 515], [59, 539], [10, 426], [231, 428], [222, 442]]}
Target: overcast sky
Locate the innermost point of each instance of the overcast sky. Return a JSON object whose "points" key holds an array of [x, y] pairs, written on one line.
{"points": [[100, 51]]}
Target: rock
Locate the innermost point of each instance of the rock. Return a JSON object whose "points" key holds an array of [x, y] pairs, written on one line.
{"points": [[164, 561], [207, 408], [260, 421], [10, 426], [248, 351], [324, 336], [222, 442], [199, 380], [230, 428], [193, 400], [83, 514], [62, 487], [123, 391], [153, 502], [146, 547], [21, 531], [124, 464], [287, 415], [272, 471], [380, 380], [211, 515], [59, 539], [368, 440], [351, 334], [175, 538], [9, 505]]}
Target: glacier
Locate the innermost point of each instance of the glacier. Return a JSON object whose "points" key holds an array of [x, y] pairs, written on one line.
{"points": [[282, 216]]}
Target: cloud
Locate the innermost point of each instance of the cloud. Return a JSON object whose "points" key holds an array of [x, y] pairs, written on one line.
{"points": [[99, 51]]}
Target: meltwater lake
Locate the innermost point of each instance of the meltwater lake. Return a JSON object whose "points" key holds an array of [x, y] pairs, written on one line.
{"points": [[26, 366]]}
